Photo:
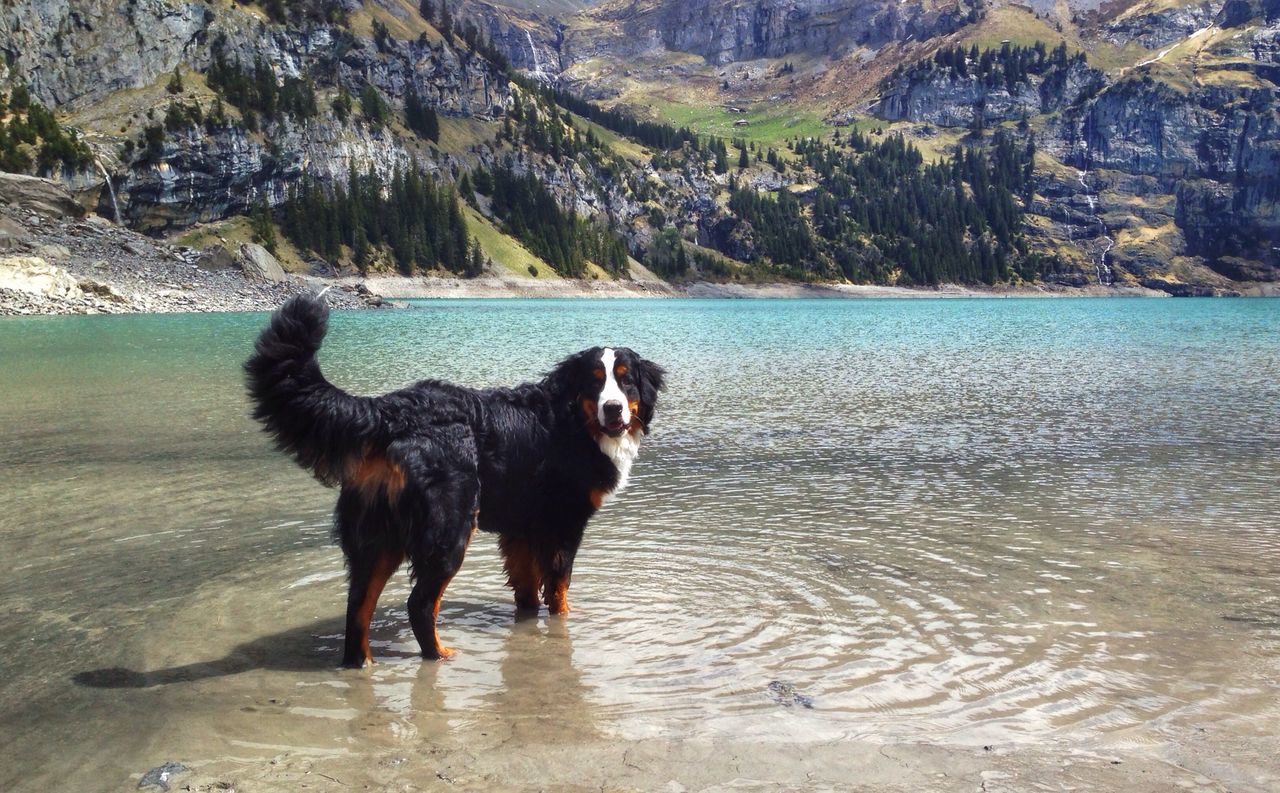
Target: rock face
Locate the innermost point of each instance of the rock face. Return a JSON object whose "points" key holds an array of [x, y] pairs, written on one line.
{"points": [[1216, 149], [950, 100], [1160, 27], [724, 31], [202, 177], [531, 41], [258, 264], [1184, 167], [78, 52]]}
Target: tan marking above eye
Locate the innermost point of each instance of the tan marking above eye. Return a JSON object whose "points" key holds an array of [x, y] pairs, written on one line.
{"points": [[620, 370], [599, 374]]}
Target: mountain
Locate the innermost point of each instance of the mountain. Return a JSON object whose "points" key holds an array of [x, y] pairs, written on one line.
{"points": [[1122, 144], [1156, 145]]}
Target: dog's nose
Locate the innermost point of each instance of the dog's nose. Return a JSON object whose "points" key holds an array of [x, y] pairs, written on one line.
{"points": [[613, 410]]}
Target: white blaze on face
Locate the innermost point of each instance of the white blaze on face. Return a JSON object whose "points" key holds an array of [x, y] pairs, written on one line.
{"points": [[612, 392]]}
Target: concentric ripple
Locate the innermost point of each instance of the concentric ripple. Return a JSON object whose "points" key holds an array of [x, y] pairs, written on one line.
{"points": [[971, 522]]}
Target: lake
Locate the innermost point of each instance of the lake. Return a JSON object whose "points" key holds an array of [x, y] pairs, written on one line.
{"points": [[975, 537]]}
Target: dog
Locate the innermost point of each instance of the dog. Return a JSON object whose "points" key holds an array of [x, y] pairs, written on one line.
{"points": [[420, 469]]}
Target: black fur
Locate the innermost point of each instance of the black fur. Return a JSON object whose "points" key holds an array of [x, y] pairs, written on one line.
{"points": [[420, 467]]}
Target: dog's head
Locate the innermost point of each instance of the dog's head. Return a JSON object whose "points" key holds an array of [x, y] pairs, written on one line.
{"points": [[613, 389]]}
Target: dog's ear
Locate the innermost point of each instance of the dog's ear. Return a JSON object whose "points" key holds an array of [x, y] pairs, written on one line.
{"points": [[566, 380], [651, 378]]}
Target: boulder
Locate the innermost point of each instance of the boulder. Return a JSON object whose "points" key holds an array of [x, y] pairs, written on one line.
{"points": [[13, 236], [258, 263], [102, 290], [215, 257], [53, 252], [36, 276], [136, 248], [38, 195]]}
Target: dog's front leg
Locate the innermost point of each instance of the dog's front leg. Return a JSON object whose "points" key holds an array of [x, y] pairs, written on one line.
{"points": [[558, 567]]}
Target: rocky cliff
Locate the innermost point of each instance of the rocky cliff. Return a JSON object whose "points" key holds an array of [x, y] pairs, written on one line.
{"points": [[1172, 165], [740, 30], [70, 56], [75, 53], [943, 97]]}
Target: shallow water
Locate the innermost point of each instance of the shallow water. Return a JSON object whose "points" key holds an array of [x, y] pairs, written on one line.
{"points": [[966, 522]]}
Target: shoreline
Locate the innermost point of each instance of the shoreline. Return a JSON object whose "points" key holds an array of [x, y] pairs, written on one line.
{"points": [[55, 261], [194, 291]]}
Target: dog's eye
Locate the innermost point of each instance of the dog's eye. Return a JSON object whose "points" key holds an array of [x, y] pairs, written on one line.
{"points": [[599, 374]]}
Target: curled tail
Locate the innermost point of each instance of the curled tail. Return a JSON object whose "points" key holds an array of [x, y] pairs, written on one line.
{"points": [[323, 427]]}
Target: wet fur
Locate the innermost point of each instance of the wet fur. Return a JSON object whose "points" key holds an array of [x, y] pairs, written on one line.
{"points": [[421, 468]]}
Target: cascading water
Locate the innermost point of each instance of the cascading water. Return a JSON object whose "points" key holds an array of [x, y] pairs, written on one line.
{"points": [[1105, 275], [533, 51], [111, 189]]}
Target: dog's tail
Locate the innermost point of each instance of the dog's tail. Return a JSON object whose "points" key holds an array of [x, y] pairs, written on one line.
{"points": [[319, 424]]}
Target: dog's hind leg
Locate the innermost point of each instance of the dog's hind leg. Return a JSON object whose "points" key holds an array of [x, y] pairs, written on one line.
{"points": [[369, 574], [434, 574], [373, 555], [437, 553]]}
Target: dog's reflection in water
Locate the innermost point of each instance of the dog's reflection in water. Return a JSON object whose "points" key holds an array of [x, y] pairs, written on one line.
{"points": [[536, 694]]}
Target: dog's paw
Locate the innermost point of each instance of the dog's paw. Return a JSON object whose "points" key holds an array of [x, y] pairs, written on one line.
{"points": [[440, 654]]}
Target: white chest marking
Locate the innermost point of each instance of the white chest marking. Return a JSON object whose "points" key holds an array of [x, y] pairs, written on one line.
{"points": [[622, 451]]}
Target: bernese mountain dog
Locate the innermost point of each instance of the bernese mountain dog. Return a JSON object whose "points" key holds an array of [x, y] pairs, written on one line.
{"points": [[420, 469]]}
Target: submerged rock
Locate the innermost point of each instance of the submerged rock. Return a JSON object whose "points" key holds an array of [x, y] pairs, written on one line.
{"points": [[160, 775], [785, 694]]}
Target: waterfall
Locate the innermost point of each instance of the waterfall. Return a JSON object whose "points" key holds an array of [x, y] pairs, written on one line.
{"points": [[111, 189], [537, 67], [1103, 270]]}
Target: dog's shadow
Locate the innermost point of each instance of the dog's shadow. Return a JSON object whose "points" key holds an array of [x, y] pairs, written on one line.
{"points": [[300, 649], [306, 648]]}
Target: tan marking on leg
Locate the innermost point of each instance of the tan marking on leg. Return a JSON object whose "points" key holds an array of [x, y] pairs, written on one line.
{"points": [[556, 595], [383, 569], [524, 574]]}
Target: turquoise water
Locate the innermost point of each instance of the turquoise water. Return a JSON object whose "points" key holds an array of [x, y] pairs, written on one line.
{"points": [[964, 521]]}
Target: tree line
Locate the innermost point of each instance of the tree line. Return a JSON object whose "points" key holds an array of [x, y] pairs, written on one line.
{"points": [[531, 214], [654, 134], [418, 220], [31, 127], [880, 214], [1008, 66]]}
